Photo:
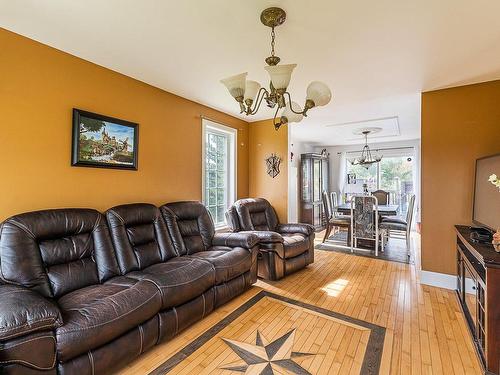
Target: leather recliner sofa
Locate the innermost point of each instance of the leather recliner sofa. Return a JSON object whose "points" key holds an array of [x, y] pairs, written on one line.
{"points": [[85, 293], [284, 248]]}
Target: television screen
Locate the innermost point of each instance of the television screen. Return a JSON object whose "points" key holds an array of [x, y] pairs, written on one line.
{"points": [[486, 194]]}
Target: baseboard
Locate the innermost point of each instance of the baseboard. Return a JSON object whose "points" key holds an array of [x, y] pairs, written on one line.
{"points": [[441, 280]]}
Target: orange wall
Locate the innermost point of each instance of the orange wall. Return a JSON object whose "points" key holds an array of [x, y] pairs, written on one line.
{"points": [[263, 141], [40, 85], [459, 125]]}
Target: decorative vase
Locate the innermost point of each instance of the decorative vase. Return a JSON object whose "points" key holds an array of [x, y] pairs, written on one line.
{"points": [[496, 241]]}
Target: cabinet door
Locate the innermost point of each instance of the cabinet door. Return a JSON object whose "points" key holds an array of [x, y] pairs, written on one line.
{"points": [[325, 182], [470, 295], [460, 277], [316, 180], [306, 180], [317, 215]]}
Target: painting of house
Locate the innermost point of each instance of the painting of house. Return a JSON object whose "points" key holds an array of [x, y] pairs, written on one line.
{"points": [[100, 141]]}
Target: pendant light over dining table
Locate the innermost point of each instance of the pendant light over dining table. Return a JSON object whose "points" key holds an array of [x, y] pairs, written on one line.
{"points": [[250, 95]]}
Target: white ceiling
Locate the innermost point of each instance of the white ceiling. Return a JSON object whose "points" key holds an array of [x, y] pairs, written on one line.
{"points": [[377, 56]]}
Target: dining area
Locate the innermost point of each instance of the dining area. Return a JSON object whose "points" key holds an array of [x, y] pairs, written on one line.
{"points": [[366, 222]]}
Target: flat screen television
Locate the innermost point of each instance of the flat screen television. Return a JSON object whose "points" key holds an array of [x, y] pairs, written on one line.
{"points": [[486, 211]]}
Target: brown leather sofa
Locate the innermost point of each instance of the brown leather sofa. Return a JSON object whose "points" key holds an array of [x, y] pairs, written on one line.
{"points": [[83, 293], [284, 248]]}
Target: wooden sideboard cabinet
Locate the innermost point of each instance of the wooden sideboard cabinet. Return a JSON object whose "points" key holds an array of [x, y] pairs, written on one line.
{"points": [[478, 289], [313, 181]]}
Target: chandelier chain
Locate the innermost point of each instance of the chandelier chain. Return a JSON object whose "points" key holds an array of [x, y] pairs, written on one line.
{"points": [[273, 35]]}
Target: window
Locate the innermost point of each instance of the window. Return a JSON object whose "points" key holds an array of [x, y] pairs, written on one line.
{"points": [[393, 174], [219, 169]]}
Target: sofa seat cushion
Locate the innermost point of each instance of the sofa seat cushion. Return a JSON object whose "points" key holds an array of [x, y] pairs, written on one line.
{"points": [[295, 244], [180, 279], [97, 314], [229, 262]]}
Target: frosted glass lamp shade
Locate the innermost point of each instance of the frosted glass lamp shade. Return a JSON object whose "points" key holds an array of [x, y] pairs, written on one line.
{"points": [[251, 90], [280, 75], [290, 116], [319, 93], [236, 85]]}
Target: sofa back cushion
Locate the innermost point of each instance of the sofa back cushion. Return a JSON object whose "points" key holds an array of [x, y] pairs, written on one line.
{"points": [[190, 225], [139, 235], [256, 214], [232, 220], [56, 251]]}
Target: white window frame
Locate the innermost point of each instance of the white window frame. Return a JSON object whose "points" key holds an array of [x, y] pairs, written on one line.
{"points": [[232, 157]]}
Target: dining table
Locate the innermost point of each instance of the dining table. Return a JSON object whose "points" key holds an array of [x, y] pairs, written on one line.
{"points": [[383, 209]]}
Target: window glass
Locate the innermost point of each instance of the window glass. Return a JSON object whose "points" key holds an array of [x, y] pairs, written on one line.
{"points": [[392, 174], [219, 169], [396, 177]]}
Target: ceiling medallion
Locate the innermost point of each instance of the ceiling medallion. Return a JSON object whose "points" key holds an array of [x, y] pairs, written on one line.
{"points": [[276, 357], [250, 94], [366, 159]]}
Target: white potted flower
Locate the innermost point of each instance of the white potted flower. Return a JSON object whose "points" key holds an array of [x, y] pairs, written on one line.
{"points": [[495, 180], [496, 237]]}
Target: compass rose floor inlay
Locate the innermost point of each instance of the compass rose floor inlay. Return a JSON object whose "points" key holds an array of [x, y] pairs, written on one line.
{"points": [[271, 334]]}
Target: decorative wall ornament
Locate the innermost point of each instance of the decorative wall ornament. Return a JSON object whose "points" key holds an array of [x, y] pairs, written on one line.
{"points": [[273, 165]]}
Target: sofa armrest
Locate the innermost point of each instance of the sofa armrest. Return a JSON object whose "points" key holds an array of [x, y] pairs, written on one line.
{"points": [[23, 311], [305, 229], [239, 239], [265, 236]]}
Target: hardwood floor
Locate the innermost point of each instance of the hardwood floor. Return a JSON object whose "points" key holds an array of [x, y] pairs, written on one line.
{"points": [[425, 330]]}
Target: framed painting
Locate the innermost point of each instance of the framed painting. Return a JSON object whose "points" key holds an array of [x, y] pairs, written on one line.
{"points": [[103, 142]]}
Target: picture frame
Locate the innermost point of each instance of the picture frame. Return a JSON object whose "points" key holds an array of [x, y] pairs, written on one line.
{"points": [[100, 141], [351, 178]]}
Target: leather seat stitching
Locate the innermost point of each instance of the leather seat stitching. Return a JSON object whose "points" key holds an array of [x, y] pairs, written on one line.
{"points": [[23, 228], [176, 320], [91, 359], [187, 282], [109, 321], [141, 335], [117, 216], [173, 270], [27, 323]]}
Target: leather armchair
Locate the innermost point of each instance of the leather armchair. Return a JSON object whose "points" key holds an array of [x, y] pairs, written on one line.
{"points": [[283, 248]]}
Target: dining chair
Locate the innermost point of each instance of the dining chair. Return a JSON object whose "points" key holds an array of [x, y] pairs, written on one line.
{"points": [[382, 196], [364, 220], [399, 225], [332, 221]]}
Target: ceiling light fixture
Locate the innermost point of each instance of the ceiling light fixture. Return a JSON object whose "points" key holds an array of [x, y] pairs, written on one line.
{"points": [[366, 159], [250, 94]]}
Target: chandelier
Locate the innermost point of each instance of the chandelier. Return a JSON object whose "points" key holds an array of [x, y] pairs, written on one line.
{"points": [[250, 94], [366, 159]]}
